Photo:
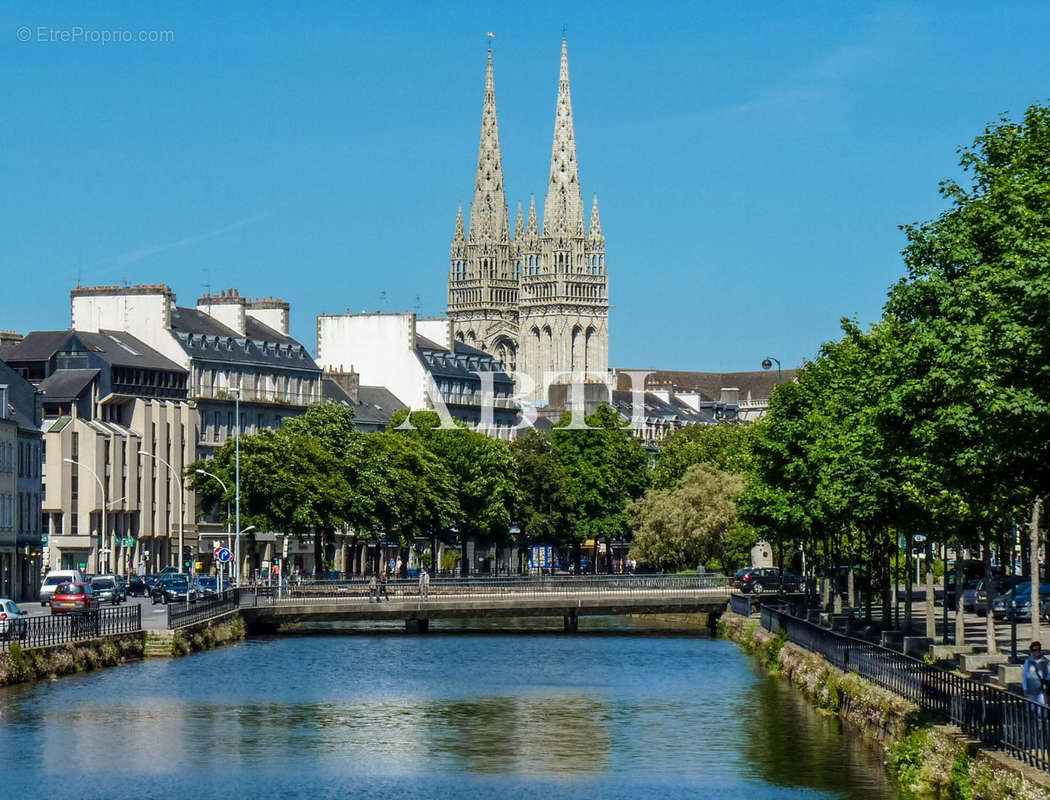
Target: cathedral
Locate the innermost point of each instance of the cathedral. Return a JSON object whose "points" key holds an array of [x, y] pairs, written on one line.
{"points": [[536, 297]]}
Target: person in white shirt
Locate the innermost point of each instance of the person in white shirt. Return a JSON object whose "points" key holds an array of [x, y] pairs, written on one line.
{"points": [[1034, 674]]}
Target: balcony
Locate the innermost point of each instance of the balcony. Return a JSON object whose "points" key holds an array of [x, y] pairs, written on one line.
{"points": [[272, 397]]}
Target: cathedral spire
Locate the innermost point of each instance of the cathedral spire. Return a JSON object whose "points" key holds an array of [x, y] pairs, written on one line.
{"points": [[596, 220], [563, 207], [519, 224], [460, 234], [488, 211], [533, 228]]}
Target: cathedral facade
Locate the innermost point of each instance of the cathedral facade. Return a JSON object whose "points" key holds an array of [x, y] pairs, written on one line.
{"points": [[536, 297]]}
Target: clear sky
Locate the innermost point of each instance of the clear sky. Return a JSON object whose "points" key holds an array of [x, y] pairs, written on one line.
{"points": [[753, 161]]}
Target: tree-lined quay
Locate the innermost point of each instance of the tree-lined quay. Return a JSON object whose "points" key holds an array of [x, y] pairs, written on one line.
{"points": [[923, 437]]}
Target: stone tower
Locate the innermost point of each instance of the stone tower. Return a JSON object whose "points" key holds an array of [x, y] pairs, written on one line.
{"points": [[564, 298], [538, 300], [483, 278]]}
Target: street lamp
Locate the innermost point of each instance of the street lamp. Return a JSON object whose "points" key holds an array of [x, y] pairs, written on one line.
{"points": [[237, 480], [171, 470], [239, 532], [102, 487], [767, 363], [224, 491]]}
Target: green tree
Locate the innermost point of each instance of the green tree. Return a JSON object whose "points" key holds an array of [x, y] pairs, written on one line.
{"points": [[724, 446], [546, 504], [685, 526], [607, 468]]}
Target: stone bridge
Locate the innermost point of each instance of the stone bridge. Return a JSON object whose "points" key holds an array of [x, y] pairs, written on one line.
{"points": [[479, 598]]}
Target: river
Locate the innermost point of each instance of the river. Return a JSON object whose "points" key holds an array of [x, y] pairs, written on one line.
{"points": [[619, 712]]}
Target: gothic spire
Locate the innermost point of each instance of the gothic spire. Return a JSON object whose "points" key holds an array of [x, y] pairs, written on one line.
{"points": [[488, 211], [533, 228], [519, 224], [596, 220], [563, 207], [460, 234]]}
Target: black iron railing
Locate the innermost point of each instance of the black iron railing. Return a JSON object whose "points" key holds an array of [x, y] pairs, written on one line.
{"points": [[743, 605], [484, 588], [71, 627], [180, 614], [998, 718]]}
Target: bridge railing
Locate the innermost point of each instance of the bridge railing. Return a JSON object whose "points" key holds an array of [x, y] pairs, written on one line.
{"points": [[998, 718], [490, 588], [75, 626], [180, 614]]}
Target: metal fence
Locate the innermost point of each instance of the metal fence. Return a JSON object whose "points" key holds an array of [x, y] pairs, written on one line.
{"points": [[71, 627], [180, 614], [998, 718], [488, 588]]}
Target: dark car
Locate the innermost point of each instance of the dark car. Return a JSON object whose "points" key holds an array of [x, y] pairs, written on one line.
{"points": [[73, 597], [208, 585], [769, 579], [1019, 600], [106, 588], [990, 588], [173, 588], [968, 590], [138, 586]]}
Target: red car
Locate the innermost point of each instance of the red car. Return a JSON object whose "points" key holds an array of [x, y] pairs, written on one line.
{"points": [[73, 597]]}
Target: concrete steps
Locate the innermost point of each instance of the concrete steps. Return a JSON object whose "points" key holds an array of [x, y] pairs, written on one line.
{"points": [[159, 644]]}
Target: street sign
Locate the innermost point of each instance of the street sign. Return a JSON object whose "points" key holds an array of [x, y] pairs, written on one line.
{"points": [[43, 539], [223, 555], [541, 556]]}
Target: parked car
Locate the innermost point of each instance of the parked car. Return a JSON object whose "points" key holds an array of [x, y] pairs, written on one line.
{"points": [[55, 578], [1019, 599], [769, 579], [69, 597], [122, 586], [14, 622], [106, 589], [738, 575], [969, 587], [990, 588], [174, 588], [138, 586], [208, 585]]}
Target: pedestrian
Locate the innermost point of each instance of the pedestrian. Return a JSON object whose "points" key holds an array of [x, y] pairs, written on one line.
{"points": [[373, 589], [424, 584], [382, 585], [1035, 673]]}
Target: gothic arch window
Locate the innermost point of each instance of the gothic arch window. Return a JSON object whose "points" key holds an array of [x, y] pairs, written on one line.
{"points": [[459, 335], [588, 349], [574, 361], [471, 338]]}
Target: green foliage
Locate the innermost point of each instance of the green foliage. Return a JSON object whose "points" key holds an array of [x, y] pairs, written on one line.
{"points": [[607, 468], [685, 526], [725, 447], [546, 510]]}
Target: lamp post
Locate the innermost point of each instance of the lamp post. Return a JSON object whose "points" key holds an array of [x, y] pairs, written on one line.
{"points": [[171, 470], [237, 481], [102, 488], [239, 532], [767, 363], [224, 491]]}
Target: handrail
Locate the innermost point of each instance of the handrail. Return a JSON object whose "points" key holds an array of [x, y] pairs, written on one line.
{"points": [[71, 627]]}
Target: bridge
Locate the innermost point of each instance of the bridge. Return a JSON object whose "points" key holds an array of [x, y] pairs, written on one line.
{"points": [[569, 597]]}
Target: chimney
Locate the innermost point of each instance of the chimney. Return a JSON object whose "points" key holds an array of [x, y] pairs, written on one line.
{"points": [[226, 307], [729, 396], [9, 337], [271, 312], [349, 382]]}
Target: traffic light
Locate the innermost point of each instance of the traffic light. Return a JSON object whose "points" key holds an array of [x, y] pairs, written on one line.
{"points": [[187, 555]]}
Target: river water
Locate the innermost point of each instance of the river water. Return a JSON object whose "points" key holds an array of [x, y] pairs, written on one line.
{"points": [[622, 712]]}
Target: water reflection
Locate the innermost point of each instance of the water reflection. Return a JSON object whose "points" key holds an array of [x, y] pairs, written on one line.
{"points": [[609, 716]]}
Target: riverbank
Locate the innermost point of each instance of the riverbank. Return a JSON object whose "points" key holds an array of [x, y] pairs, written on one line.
{"points": [[928, 760], [20, 666]]}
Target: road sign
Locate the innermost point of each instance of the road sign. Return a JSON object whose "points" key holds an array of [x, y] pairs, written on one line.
{"points": [[224, 555], [43, 539]]}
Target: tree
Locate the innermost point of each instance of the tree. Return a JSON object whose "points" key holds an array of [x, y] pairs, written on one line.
{"points": [[607, 468], [724, 446], [684, 526], [546, 503]]}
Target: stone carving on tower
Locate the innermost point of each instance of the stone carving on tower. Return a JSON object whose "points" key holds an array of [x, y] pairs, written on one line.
{"points": [[482, 282], [539, 301]]}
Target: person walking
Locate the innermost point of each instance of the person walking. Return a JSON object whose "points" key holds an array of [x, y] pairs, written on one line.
{"points": [[424, 584], [1035, 673], [382, 586], [373, 589]]}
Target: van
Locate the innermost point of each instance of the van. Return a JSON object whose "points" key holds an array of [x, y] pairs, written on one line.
{"points": [[54, 578]]}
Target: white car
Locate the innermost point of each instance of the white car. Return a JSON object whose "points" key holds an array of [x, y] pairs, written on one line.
{"points": [[56, 577], [14, 622]]}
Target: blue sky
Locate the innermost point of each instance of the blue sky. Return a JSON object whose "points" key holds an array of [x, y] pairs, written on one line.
{"points": [[753, 161]]}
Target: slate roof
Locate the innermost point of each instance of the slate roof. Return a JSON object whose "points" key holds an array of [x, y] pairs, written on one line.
{"points": [[205, 338], [448, 364], [66, 385], [758, 384], [375, 406], [117, 348], [656, 408]]}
